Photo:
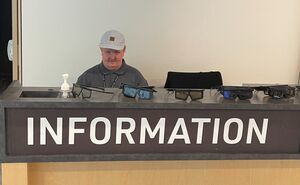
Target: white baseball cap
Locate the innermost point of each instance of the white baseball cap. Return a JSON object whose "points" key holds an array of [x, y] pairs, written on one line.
{"points": [[112, 39]]}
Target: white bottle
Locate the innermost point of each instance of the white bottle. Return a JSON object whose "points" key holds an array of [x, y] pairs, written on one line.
{"points": [[65, 87]]}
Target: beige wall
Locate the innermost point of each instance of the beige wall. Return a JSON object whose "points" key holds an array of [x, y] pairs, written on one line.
{"points": [[249, 41]]}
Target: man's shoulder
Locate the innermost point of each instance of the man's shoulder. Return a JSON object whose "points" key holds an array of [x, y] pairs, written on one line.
{"points": [[139, 79], [90, 73], [89, 76], [131, 69], [92, 70]]}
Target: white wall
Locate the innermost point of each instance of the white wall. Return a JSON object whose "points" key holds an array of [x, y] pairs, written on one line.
{"points": [[249, 41]]}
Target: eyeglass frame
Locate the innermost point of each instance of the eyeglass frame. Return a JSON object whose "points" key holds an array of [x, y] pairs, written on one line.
{"points": [[90, 89], [174, 90], [283, 92], [138, 89], [188, 94], [278, 91], [240, 92]]}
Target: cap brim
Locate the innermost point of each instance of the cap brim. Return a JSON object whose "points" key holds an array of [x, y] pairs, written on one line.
{"points": [[109, 46]]}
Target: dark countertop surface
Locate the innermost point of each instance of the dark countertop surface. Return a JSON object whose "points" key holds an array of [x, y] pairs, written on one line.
{"points": [[162, 99]]}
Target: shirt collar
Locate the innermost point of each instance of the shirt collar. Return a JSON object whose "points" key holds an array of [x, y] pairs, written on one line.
{"points": [[121, 71]]}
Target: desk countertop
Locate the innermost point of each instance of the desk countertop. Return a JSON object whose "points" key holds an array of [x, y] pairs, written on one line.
{"points": [[161, 99]]}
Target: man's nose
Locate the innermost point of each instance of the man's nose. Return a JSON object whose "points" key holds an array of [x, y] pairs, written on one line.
{"points": [[112, 55]]}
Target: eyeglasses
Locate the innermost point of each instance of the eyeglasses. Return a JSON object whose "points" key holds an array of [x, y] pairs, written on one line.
{"points": [[233, 92], [145, 93], [86, 91], [183, 94], [278, 91]]}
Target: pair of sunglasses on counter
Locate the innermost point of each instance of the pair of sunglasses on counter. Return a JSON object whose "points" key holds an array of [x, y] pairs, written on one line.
{"points": [[194, 94], [145, 92], [233, 92], [278, 91], [183, 94], [86, 91]]}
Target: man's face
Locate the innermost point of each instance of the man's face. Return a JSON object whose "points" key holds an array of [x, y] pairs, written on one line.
{"points": [[112, 59]]}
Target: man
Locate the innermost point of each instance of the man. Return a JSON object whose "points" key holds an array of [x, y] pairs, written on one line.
{"points": [[112, 71]]}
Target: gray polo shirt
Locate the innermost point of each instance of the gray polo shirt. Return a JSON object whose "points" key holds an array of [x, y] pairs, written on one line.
{"points": [[99, 76]]}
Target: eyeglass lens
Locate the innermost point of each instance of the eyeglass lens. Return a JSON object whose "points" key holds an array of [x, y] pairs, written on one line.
{"points": [[184, 94], [128, 91], [228, 95], [144, 94], [133, 92], [86, 93], [77, 91], [245, 95], [196, 95]]}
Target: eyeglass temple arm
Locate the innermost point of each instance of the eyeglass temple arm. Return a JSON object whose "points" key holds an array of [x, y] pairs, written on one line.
{"points": [[90, 87], [97, 89], [102, 91], [148, 87]]}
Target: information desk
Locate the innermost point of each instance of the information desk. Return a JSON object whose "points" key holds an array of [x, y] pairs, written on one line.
{"points": [[37, 125]]}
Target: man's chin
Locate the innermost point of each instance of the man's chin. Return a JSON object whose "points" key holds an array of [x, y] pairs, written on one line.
{"points": [[113, 67]]}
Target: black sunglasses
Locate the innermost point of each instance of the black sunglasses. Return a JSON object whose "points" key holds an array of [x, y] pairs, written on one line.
{"points": [[183, 94], [278, 91], [145, 92], [86, 91], [233, 92]]}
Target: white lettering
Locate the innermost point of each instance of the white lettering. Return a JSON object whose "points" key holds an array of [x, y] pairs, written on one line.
{"points": [[93, 130], [160, 126], [127, 132], [180, 124], [200, 122], [73, 130], [30, 126], [45, 125], [260, 135], [100, 130], [216, 131], [239, 131]]}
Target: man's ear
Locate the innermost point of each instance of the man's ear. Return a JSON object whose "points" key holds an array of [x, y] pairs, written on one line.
{"points": [[124, 48]]}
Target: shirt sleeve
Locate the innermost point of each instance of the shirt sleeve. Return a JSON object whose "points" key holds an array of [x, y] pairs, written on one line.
{"points": [[141, 81], [82, 80]]}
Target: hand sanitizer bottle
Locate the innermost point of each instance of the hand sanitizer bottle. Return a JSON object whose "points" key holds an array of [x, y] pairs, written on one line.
{"points": [[65, 87]]}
